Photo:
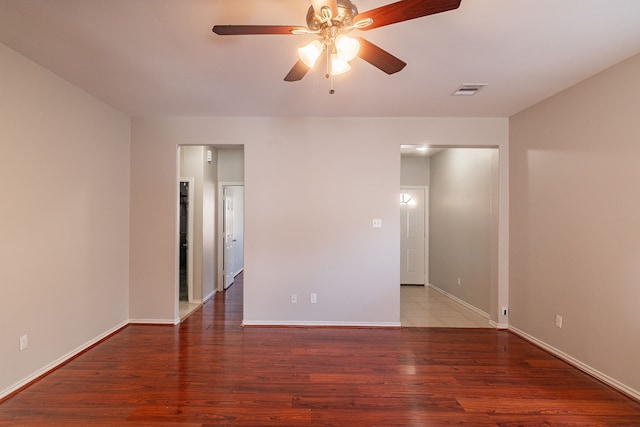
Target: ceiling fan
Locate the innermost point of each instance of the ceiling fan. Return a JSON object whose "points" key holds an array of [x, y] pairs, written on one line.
{"points": [[331, 20]]}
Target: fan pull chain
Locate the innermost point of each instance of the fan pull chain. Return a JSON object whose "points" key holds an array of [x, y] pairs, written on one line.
{"points": [[328, 55], [329, 74]]}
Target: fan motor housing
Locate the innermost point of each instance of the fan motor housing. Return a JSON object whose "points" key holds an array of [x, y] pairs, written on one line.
{"points": [[346, 12]]}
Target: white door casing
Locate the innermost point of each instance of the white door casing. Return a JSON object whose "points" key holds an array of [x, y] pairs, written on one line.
{"points": [[413, 239], [238, 227]]}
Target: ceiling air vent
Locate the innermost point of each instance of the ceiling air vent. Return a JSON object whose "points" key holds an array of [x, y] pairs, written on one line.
{"points": [[469, 89]]}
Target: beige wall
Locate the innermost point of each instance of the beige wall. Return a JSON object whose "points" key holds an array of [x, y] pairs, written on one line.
{"points": [[64, 222], [414, 170], [209, 194], [231, 164], [575, 234], [461, 223], [309, 203]]}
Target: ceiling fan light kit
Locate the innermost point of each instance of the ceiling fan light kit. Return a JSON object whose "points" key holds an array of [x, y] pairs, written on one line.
{"points": [[331, 20]]}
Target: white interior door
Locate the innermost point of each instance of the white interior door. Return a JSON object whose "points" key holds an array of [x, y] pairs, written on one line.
{"points": [[413, 236], [229, 241], [238, 227]]}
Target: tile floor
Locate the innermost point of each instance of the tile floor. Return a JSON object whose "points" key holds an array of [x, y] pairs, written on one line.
{"points": [[426, 307], [186, 308]]}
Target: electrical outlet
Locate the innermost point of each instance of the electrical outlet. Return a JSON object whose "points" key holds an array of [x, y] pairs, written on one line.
{"points": [[313, 298], [23, 342], [558, 321], [294, 298], [505, 310], [459, 282]]}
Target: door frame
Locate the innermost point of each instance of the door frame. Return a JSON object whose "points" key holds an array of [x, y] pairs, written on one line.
{"points": [[190, 206], [426, 227], [220, 233]]}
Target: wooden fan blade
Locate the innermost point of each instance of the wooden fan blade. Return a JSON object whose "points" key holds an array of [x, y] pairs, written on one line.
{"points": [[379, 58], [331, 4], [405, 10], [238, 30], [297, 72]]}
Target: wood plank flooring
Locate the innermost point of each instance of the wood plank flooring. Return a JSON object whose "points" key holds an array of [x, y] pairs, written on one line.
{"points": [[211, 371]]}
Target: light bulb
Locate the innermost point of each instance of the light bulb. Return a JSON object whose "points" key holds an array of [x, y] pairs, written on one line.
{"points": [[310, 53], [338, 65], [347, 47]]}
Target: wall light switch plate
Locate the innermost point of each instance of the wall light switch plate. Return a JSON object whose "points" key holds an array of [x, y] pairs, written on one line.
{"points": [[377, 223]]}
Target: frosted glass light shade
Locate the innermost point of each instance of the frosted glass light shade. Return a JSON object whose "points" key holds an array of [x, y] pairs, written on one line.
{"points": [[338, 65], [347, 47], [310, 53]]}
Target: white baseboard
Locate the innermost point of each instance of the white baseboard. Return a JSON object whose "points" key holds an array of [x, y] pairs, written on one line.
{"points": [[208, 297], [175, 321], [623, 388], [61, 360], [498, 325], [276, 323]]}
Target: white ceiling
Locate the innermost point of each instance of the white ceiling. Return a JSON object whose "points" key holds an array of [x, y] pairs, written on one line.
{"points": [[160, 57]]}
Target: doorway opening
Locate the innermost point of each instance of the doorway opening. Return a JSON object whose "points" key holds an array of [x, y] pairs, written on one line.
{"points": [[197, 166], [206, 172], [448, 209], [185, 273]]}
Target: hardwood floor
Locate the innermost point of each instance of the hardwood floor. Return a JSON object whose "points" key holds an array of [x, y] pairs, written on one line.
{"points": [[211, 371]]}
